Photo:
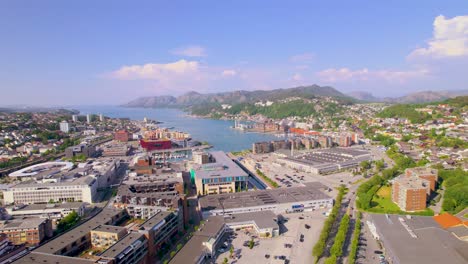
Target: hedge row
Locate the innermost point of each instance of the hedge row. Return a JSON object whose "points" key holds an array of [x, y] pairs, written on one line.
{"points": [[319, 247], [355, 240]]}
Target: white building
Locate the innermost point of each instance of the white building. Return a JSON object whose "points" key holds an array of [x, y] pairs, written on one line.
{"points": [[75, 118], [64, 127], [101, 117], [55, 211], [88, 118], [82, 189]]}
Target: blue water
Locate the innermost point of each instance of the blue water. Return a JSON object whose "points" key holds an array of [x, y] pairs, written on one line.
{"points": [[216, 132]]}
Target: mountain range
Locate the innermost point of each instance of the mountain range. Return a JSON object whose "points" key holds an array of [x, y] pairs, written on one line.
{"points": [[241, 96], [416, 97], [236, 97]]}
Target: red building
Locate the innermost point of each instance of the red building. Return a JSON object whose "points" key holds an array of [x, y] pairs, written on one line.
{"points": [[121, 136], [150, 145]]}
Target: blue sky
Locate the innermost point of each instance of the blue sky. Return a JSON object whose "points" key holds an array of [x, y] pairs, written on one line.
{"points": [[109, 52]]}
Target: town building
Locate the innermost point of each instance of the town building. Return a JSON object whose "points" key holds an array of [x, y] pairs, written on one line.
{"points": [[63, 189], [121, 135], [89, 118], [104, 236], [52, 211], [10, 252], [31, 231], [75, 118], [221, 175], [411, 190], [64, 127], [82, 149], [279, 201], [115, 149], [131, 249], [326, 161]]}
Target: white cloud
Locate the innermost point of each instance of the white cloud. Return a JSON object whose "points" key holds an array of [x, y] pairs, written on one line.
{"points": [[333, 75], [304, 57], [229, 73], [155, 71], [450, 39], [297, 77], [190, 51]]}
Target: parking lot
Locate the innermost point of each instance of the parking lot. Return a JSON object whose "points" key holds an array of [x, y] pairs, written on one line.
{"points": [[286, 248]]}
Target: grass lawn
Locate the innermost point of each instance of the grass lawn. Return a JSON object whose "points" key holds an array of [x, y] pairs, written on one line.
{"points": [[385, 191], [382, 203], [465, 215]]}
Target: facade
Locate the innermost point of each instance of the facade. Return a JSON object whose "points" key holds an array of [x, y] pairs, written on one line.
{"points": [[114, 150], [31, 231], [200, 157], [104, 236], [84, 149], [411, 189], [158, 144], [220, 176], [82, 189], [64, 127], [132, 249], [121, 135], [160, 228], [270, 146]]}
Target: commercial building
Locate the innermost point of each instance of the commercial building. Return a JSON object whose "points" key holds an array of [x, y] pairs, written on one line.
{"points": [[203, 244], [121, 135], [89, 118], [222, 175], [31, 231], [411, 189], [200, 157], [325, 161], [64, 127], [82, 149], [61, 189], [113, 149], [42, 169], [54, 211], [295, 199], [417, 240], [159, 144], [75, 118], [263, 223], [270, 146]]}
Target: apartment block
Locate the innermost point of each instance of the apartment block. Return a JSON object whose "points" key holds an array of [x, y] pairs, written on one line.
{"points": [[31, 231], [411, 190]]}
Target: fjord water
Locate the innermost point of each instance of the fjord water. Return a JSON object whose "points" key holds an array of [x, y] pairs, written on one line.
{"points": [[217, 132]]}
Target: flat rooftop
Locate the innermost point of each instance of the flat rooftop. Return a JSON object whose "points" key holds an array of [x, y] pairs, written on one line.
{"points": [[55, 245], [311, 191], [109, 229], [21, 223], [155, 219], [431, 245], [222, 167], [263, 219], [36, 257], [127, 241], [194, 247], [32, 207]]}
